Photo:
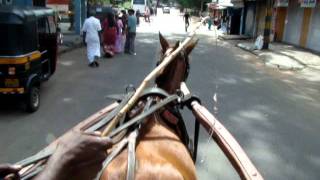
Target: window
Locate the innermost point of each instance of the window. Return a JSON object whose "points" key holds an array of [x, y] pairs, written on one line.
{"points": [[52, 24], [138, 1], [43, 26], [11, 43], [8, 2]]}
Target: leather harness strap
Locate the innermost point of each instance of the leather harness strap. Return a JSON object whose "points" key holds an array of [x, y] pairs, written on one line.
{"points": [[124, 98], [132, 154], [139, 118], [113, 154]]}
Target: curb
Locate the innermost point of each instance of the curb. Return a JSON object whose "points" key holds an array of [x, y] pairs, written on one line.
{"points": [[245, 49], [66, 50], [269, 64]]}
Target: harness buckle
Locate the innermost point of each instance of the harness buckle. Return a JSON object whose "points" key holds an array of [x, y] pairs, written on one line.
{"points": [[188, 100]]}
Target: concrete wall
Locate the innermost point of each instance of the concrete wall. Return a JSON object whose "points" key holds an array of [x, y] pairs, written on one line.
{"points": [[250, 19], [293, 23], [314, 30]]}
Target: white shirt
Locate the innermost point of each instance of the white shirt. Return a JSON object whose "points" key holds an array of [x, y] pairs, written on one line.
{"points": [[92, 27]]}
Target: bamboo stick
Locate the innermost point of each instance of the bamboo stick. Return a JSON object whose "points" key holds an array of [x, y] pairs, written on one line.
{"points": [[147, 80]]}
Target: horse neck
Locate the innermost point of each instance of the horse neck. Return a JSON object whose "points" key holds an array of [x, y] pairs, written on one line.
{"points": [[156, 127], [173, 76]]}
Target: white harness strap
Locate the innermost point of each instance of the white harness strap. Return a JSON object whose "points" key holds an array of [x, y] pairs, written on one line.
{"points": [[132, 154]]}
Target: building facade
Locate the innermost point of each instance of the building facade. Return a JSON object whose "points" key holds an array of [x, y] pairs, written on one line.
{"points": [[295, 22], [16, 2], [80, 8]]}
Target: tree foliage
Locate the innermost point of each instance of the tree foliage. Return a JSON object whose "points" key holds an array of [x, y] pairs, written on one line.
{"points": [[95, 2], [194, 4]]}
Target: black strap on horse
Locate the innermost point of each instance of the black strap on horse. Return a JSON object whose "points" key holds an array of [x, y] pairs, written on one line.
{"points": [[139, 118], [187, 102]]}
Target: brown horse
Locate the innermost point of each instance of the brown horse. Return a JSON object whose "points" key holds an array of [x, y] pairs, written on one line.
{"points": [[160, 153]]}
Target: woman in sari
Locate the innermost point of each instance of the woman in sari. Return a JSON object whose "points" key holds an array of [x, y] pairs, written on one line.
{"points": [[119, 36], [109, 35]]}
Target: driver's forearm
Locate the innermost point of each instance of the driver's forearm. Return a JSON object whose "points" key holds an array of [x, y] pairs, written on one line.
{"points": [[56, 169]]}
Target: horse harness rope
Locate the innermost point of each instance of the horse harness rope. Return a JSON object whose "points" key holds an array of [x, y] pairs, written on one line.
{"points": [[135, 123]]}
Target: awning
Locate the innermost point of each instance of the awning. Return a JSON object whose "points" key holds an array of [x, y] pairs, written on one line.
{"points": [[231, 3], [66, 2], [215, 6]]}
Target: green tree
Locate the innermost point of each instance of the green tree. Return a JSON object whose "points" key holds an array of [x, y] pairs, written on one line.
{"points": [[193, 4]]}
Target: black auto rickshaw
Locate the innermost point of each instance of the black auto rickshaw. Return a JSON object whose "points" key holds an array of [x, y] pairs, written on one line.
{"points": [[28, 52]]}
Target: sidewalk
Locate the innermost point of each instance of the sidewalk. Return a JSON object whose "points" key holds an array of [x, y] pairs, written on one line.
{"points": [[70, 42], [283, 56]]}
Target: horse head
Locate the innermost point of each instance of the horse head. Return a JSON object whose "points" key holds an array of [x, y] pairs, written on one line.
{"points": [[178, 69]]}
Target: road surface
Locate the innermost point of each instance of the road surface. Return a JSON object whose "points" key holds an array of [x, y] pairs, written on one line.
{"points": [[274, 115]]}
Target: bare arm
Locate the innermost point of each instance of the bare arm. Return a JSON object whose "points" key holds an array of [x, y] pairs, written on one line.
{"points": [[78, 156]]}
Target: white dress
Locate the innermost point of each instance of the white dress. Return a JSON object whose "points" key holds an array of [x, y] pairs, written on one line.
{"points": [[92, 27]]}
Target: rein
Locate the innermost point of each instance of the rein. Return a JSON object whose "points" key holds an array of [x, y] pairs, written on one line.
{"points": [[133, 123]]}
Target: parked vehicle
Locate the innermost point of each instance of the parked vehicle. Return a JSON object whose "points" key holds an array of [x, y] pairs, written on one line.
{"points": [[140, 5], [166, 9], [28, 52]]}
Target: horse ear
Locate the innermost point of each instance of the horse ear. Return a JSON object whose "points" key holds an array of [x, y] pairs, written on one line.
{"points": [[176, 45], [191, 45], [164, 43]]}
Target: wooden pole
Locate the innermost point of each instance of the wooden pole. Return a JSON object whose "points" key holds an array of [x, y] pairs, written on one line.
{"points": [[147, 80]]}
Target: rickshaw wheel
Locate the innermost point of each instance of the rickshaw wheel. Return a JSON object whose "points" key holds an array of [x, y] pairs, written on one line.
{"points": [[33, 99]]}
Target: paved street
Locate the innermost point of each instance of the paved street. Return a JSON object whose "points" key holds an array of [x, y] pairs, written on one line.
{"points": [[274, 115]]}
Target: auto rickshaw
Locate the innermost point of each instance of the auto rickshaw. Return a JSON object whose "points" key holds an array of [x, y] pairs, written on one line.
{"points": [[28, 52]]}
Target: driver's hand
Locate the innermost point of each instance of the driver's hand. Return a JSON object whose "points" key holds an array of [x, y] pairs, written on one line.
{"points": [[78, 156], [9, 172]]}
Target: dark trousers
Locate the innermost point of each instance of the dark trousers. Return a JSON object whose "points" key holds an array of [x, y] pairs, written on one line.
{"points": [[129, 45]]}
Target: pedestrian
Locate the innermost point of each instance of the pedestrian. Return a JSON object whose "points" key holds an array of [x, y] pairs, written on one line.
{"points": [[131, 33], [209, 23], [119, 37], [109, 34], [138, 16], [124, 19], [147, 14], [186, 17], [91, 36]]}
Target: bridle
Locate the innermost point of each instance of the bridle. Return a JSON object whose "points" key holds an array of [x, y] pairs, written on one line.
{"points": [[185, 57], [186, 60]]}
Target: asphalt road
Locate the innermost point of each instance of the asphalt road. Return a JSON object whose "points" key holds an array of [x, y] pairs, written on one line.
{"points": [[274, 115]]}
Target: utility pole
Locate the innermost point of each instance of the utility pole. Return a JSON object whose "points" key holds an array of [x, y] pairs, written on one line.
{"points": [[267, 26]]}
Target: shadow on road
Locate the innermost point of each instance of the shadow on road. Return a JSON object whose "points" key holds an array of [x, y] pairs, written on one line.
{"points": [[272, 115]]}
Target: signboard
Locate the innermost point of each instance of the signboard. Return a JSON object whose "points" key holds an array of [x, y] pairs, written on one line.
{"points": [[282, 3], [308, 3]]}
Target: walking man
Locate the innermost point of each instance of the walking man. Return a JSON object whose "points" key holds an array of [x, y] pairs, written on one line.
{"points": [[91, 36], [131, 33], [186, 17]]}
